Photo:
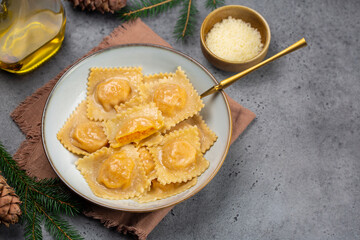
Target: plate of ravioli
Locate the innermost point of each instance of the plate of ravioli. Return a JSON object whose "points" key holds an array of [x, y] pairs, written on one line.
{"points": [[125, 128]]}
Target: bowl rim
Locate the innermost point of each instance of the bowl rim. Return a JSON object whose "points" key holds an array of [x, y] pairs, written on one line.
{"points": [[266, 45], [135, 45]]}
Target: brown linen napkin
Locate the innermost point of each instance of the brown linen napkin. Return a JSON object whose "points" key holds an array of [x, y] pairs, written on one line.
{"points": [[31, 156]]}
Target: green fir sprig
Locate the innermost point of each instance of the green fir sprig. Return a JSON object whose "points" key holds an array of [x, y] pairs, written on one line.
{"points": [[213, 4], [185, 26], [146, 8], [186, 22], [42, 201]]}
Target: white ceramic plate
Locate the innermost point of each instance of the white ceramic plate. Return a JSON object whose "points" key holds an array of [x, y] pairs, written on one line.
{"points": [[71, 90]]}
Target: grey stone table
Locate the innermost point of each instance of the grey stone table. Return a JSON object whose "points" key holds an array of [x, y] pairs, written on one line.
{"points": [[295, 172]]}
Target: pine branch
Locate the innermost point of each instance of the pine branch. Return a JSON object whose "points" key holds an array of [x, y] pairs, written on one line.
{"points": [[146, 8], [42, 200], [33, 225], [55, 198], [185, 26], [213, 4], [54, 195], [59, 228]]}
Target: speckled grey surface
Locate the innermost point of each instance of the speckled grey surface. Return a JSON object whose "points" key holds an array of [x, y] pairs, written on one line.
{"points": [[294, 173]]}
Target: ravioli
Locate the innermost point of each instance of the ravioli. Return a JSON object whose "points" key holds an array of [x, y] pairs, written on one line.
{"points": [[158, 191], [148, 162], [174, 96], [150, 141], [80, 135], [133, 125], [142, 136], [114, 173], [156, 77], [110, 88], [207, 136], [178, 158]]}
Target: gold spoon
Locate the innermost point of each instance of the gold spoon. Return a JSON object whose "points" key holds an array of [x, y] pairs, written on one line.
{"points": [[227, 82]]}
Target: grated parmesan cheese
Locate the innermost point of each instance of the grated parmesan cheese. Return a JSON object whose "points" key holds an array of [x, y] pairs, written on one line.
{"points": [[234, 40]]}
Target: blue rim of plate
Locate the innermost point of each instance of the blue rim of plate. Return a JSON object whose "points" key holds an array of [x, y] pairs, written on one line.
{"points": [[124, 46]]}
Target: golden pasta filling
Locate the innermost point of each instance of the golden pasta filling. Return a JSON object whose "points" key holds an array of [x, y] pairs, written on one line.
{"points": [[113, 92], [133, 125], [115, 172], [89, 136], [135, 129], [178, 154], [169, 98]]}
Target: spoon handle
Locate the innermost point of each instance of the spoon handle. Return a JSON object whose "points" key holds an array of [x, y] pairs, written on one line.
{"points": [[227, 82]]}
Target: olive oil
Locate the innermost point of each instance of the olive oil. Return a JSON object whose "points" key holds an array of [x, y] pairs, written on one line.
{"points": [[31, 31]]}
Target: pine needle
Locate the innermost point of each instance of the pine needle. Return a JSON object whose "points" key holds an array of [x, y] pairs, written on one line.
{"points": [[59, 228], [185, 26], [33, 225], [213, 4], [146, 8], [43, 200]]}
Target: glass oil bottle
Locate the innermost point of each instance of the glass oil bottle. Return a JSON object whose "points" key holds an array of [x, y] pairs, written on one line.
{"points": [[31, 31]]}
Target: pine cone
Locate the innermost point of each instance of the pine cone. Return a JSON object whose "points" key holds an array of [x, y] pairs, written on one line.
{"points": [[9, 204], [99, 5]]}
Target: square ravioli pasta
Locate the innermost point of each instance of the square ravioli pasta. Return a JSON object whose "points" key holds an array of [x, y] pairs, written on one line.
{"points": [[114, 173], [133, 125], [142, 136], [156, 77], [175, 96], [147, 160], [80, 135], [207, 137], [178, 158], [109, 88], [158, 191]]}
